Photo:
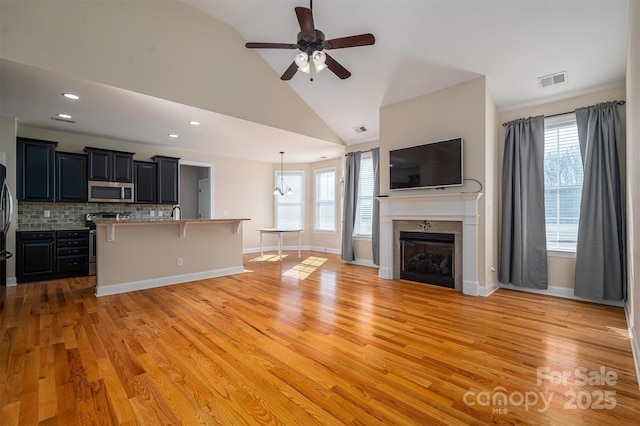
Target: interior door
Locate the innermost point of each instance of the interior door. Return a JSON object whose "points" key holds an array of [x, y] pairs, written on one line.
{"points": [[204, 203]]}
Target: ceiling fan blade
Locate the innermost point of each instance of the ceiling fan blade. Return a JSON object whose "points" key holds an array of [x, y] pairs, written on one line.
{"points": [[351, 41], [337, 69], [305, 19], [290, 72], [271, 46]]}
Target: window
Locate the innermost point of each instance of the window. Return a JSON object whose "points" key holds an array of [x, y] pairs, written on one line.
{"points": [[290, 207], [364, 208], [563, 175], [325, 203]]}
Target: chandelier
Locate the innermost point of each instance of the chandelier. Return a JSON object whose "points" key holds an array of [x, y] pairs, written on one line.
{"points": [[282, 189]]}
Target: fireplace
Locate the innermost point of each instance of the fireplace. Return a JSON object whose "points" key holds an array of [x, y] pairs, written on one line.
{"points": [[442, 211], [428, 257]]}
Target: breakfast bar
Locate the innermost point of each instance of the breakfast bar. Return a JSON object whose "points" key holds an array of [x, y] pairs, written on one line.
{"points": [[140, 254]]}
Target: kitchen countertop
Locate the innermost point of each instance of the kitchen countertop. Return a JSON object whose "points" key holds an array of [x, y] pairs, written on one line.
{"points": [[54, 228], [112, 224], [166, 220]]}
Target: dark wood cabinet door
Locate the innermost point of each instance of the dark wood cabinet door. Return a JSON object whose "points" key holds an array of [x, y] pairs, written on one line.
{"points": [[35, 257], [146, 182], [99, 164], [167, 179], [71, 173], [122, 167], [35, 170]]}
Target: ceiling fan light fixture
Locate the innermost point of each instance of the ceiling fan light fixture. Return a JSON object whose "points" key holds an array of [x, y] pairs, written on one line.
{"points": [[302, 61], [319, 58]]}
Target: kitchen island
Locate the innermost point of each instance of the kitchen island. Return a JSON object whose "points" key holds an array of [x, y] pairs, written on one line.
{"points": [[139, 254]]}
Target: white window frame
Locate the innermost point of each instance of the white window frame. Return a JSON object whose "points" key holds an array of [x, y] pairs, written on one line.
{"points": [[554, 247], [318, 203], [365, 156], [297, 194]]}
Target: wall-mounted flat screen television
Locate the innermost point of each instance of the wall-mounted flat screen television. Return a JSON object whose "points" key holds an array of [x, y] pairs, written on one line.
{"points": [[433, 165]]}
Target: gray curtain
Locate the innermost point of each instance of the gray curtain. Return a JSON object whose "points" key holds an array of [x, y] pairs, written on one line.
{"points": [[523, 260], [352, 172], [375, 218], [600, 254]]}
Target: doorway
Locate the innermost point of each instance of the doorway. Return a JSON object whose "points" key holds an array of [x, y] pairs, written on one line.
{"points": [[196, 190]]}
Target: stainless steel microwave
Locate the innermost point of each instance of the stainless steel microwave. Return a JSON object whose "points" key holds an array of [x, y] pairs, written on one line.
{"points": [[110, 192]]}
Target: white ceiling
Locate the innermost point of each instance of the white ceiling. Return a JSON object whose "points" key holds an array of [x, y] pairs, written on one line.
{"points": [[421, 46]]}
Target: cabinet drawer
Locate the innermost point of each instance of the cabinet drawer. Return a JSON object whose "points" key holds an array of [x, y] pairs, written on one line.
{"points": [[72, 264], [81, 233], [72, 251], [36, 235], [73, 242]]}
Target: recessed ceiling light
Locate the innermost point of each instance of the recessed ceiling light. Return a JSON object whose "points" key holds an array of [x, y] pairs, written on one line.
{"points": [[194, 123], [173, 135], [67, 116], [71, 96]]}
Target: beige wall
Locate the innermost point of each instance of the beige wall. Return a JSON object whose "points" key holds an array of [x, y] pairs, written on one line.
{"points": [[8, 129], [142, 252], [491, 225], [561, 270], [165, 49], [466, 111], [633, 174]]}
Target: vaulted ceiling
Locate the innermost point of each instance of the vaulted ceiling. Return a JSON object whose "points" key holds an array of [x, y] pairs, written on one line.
{"points": [[421, 46]]}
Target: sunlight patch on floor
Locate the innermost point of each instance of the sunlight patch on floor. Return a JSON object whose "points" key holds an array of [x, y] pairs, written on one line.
{"points": [[268, 258], [305, 268]]}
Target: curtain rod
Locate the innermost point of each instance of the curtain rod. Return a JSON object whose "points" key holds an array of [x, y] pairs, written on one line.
{"points": [[368, 150], [568, 112]]}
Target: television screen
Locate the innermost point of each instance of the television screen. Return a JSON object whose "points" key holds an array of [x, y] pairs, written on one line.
{"points": [[433, 165]]}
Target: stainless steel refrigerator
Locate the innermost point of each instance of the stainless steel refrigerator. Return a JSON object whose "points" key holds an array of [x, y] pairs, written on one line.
{"points": [[6, 214]]}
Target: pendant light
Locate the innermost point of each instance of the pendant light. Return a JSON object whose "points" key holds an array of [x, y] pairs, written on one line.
{"points": [[282, 189]]}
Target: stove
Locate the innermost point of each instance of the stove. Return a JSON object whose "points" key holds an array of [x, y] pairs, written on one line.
{"points": [[90, 222]]}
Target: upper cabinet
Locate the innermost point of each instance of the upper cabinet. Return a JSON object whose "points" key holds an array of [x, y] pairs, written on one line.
{"points": [[35, 170], [146, 182], [71, 177], [167, 179], [110, 166]]}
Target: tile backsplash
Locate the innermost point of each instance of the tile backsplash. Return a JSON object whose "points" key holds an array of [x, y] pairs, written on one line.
{"points": [[71, 215]]}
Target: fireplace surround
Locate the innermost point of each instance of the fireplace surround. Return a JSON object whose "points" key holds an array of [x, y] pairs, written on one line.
{"points": [[457, 213]]}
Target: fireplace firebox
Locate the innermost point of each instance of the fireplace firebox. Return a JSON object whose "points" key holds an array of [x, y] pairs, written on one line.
{"points": [[427, 257]]}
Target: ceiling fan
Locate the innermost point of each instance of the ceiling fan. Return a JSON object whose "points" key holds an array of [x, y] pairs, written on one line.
{"points": [[312, 45]]}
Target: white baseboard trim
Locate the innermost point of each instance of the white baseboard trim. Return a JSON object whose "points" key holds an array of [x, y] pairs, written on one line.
{"points": [[12, 282], [164, 281], [564, 292], [635, 344], [489, 289], [362, 262], [326, 250]]}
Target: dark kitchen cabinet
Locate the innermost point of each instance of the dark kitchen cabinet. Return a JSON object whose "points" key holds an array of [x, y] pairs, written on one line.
{"points": [[146, 182], [35, 170], [109, 166], [167, 179], [45, 255], [72, 253], [71, 177], [35, 257]]}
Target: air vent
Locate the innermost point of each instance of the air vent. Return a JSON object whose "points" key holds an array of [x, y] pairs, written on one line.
{"points": [[553, 79], [64, 120], [360, 129]]}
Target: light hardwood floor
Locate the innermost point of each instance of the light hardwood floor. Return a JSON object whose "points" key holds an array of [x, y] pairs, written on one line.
{"points": [[310, 342]]}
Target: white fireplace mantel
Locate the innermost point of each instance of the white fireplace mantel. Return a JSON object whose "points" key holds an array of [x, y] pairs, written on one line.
{"points": [[441, 207]]}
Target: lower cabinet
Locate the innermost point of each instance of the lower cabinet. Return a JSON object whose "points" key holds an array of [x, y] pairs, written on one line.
{"points": [[45, 255], [72, 250], [35, 257]]}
